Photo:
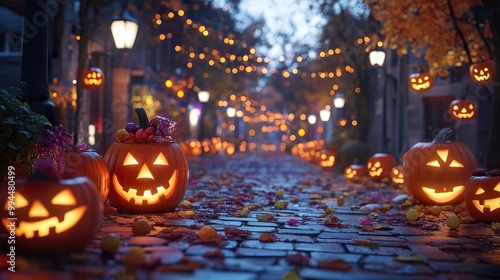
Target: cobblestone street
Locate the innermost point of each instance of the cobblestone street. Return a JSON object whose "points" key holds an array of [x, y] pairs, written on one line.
{"points": [[280, 217]]}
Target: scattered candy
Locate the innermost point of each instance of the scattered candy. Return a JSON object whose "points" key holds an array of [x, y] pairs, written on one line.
{"points": [[207, 234], [436, 210], [110, 243], [280, 193], [340, 200], [122, 135], [141, 227], [453, 221], [412, 215]]}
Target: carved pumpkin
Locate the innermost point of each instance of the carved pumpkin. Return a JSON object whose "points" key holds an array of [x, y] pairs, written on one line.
{"points": [[421, 82], [92, 78], [482, 198], [326, 158], [482, 72], [89, 163], [54, 215], [355, 172], [147, 177], [462, 109], [380, 166], [397, 175], [435, 173]]}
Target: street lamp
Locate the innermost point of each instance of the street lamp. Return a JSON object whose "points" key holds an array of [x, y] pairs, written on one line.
{"points": [[339, 100], [231, 112], [377, 58], [124, 29], [203, 97], [324, 115]]}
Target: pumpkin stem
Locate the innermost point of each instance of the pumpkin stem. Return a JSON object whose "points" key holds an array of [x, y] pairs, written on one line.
{"points": [[143, 118], [443, 135]]}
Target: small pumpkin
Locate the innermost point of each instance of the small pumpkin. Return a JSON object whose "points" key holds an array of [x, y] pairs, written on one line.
{"points": [[482, 198], [421, 82], [355, 172], [482, 72], [53, 215], [326, 158], [435, 172], [92, 78], [147, 176], [88, 163], [397, 175], [380, 165], [461, 109]]}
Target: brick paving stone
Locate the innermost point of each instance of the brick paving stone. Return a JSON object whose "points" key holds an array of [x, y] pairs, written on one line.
{"points": [[267, 245], [320, 247], [252, 252]]}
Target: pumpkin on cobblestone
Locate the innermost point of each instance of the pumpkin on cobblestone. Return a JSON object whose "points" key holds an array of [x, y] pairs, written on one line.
{"points": [[380, 165], [482, 197], [355, 172], [147, 177], [435, 172]]}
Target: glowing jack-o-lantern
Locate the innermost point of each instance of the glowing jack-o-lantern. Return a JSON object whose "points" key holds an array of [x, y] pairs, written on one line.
{"points": [[462, 109], [435, 172], [397, 175], [92, 78], [355, 172], [147, 177], [380, 166], [421, 82], [482, 198], [482, 72], [326, 159], [53, 215]]}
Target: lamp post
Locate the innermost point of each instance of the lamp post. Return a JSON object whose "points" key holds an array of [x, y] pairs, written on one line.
{"points": [[311, 119], [324, 115], [377, 59], [203, 97], [339, 100], [124, 30]]}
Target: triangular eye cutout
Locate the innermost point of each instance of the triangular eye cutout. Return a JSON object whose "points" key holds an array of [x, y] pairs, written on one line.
{"points": [[65, 197], [20, 201], [130, 160], [161, 160]]}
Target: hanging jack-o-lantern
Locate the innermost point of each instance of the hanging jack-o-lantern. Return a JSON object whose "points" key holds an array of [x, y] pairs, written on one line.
{"points": [[397, 175], [462, 109], [147, 175], [380, 165], [355, 172], [53, 215], [435, 172], [88, 163], [482, 72], [92, 78], [482, 197], [421, 82]]}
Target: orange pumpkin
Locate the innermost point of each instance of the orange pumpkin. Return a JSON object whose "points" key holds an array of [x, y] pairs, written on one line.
{"points": [[380, 165], [326, 158], [435, 172], [54, 215], [89, 163], [462, 109], [482, 198], [92, 78], [421, 82], [482, 72], [355, 172], [397, 175], [147, 177]]}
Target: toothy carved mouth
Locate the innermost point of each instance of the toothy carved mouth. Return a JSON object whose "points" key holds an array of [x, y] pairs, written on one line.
{"points": [[483, 77], [444, 196], [377, 172], [425, 85], [464, 115], [148, 197], [491, 204], [28, 229]]}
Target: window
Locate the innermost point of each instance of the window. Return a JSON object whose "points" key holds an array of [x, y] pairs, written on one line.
{"points": [[10, 43]]}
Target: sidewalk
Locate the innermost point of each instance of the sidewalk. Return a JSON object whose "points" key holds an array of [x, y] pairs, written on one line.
{"points": [[305, 233]]}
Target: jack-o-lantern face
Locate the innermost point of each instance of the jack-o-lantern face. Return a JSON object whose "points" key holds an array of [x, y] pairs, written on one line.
{"points": [[92, 78], [55, 215], [355, 172], [482, 72], [380, 165], [462, 109], [421, 82], [397, 175], [326, 159], [147, 177], [435, 173], [482, 198], [144, 188]]}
